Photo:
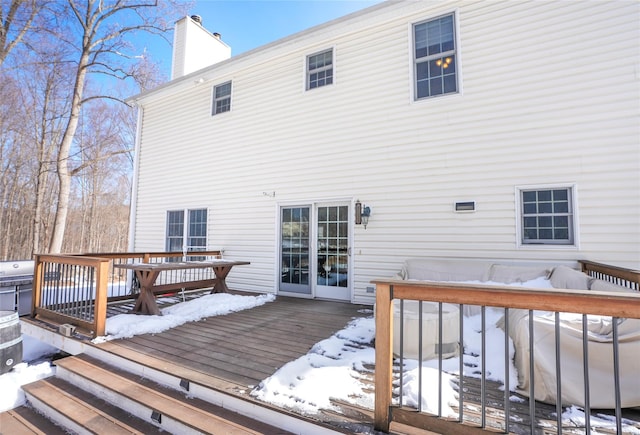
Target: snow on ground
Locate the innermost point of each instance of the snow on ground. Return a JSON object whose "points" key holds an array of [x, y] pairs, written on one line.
{"points": [[331, 369], [36, 365]]}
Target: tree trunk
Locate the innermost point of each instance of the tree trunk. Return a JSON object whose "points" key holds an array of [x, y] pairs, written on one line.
{"points": [[64, 174]]}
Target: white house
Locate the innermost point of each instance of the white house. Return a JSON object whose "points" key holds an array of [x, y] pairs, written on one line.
{"points": [[502, 129]]}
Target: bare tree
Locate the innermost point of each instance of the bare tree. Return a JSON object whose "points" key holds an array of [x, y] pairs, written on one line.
{"points": [[55, 88], [16, 19], [100, 48]]}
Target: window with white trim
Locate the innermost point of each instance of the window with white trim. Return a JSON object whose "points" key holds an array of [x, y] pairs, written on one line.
{"points": [[435, 60], [547, 216], [186, 230], [320, 69], [221, 98]]}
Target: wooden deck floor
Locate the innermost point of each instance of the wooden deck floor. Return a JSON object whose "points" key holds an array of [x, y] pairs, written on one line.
{"points": [[243, 348], [235, 352]]}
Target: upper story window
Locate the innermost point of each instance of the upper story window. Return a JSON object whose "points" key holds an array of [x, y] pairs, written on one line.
{"points": [[221, 98], [436, 69], [546, 216], [320, 69]]}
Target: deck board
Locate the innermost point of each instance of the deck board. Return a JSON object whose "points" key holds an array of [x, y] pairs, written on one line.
{"points": [[245, 347]]}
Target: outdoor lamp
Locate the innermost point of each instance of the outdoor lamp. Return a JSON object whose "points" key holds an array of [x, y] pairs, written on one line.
{"points": [[362, 214], [366, 212]]}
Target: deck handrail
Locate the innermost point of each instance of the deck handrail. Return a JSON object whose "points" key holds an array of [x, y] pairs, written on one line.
{"points": [[616, 275], [89, 296], [619, 305], [74, 288]]}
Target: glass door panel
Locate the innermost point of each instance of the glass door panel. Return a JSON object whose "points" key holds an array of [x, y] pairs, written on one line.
{"points": [[332, 252], [294, 250]]}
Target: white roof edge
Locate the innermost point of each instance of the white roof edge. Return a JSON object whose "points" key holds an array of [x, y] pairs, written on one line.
{"points": [[133, 100]]}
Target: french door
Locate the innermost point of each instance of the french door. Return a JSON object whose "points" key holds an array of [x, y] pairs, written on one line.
{"points": [[295, 242], [315, 251]]}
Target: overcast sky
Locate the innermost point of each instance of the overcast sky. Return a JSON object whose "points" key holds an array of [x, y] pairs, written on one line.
{"points": [[245, 25]]}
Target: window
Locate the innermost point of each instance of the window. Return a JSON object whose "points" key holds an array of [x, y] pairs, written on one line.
{"points": [[435, 57], [547, 216], [320, 69], [221, 98], [192, 236]]}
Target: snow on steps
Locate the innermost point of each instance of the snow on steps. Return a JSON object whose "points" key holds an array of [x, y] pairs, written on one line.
{"points": [[157, 408]]}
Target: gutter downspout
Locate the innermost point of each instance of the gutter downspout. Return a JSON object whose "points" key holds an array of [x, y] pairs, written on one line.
{"points": [[134, 180]]}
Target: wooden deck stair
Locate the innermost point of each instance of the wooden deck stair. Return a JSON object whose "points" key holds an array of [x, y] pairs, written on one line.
{"points": [[90, 396]]}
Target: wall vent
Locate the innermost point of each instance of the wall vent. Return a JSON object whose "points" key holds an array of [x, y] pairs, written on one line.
{"points": [[466, 206]]}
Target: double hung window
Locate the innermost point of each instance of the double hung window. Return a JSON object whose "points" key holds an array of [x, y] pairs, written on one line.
{"points": [[320, 69], [436, 66], [547, 216], [221, 98], [186, 230]]}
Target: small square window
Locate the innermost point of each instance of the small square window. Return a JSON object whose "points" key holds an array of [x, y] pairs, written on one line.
{"points": [[221, 98], [320, 69], [435, 57], [546, 216]]}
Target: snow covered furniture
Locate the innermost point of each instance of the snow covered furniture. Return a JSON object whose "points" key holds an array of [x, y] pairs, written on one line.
{"points": [[430, 335], [600, 350], [561, 276], [449, 269]]}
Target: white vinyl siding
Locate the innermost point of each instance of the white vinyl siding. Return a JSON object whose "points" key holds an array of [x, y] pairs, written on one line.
{"points": [[543, 115]]}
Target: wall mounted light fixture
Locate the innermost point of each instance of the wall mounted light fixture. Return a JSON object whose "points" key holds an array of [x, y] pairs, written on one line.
{"points": [[362, 214]]}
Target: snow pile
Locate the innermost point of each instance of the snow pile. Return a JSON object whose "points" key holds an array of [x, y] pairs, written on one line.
{"points": [[30, 370], [128, 325], [329, 370]]}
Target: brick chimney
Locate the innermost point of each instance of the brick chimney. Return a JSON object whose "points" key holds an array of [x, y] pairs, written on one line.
{"points": [[194, 47]]}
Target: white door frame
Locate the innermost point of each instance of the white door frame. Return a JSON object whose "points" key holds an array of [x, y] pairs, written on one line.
{"points": [[313, 245]]}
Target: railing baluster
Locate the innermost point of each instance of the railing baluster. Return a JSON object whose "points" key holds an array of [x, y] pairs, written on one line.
{"points": [[419, 356], [585, 363], [401, 350], [558, 375], [507, 381], [616, 374], [532, 396], [439, 359], [484, 368], [461, 365]]}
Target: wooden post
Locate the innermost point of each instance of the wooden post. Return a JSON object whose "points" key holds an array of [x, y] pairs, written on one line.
{"points": [[102, 280], [38, 279], [384, 357]]}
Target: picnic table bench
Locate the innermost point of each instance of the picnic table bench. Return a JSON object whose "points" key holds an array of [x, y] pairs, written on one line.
{"points": [[147, 274]]}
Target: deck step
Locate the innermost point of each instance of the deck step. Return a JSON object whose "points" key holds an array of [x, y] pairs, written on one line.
{"points": [[79, 412], [24, 420], [166, 409]]}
